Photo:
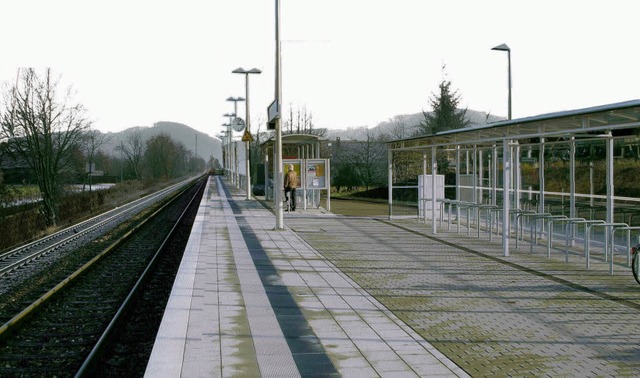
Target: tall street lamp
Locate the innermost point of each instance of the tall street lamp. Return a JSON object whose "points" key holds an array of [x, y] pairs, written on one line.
{"points": [[225, 135], [229, 134], [504, 47], [235, 101], [248, 122], [277, 167]]}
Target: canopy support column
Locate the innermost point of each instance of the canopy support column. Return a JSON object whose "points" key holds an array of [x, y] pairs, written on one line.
{"points": [[572, 184], [609, 173], [541, 179], [422, 201], [516, 181], [481, 176], [494, 175], [610, 189], [506, 184], [390, 179], [434, 171], [475, 175], [457, 181]]}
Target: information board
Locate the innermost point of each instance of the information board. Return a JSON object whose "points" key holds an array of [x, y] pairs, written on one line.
{"points": [[316, 173], [297, 167]]}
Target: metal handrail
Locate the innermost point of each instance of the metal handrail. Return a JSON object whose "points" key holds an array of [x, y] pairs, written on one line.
{"points": [[424, 208], [496, 209], [458, 204], [488, 219], [534, 229], [567, 236], [443, 202], [550, 221], [623, 228], [586, 238], [606, 239], [519, 214]]}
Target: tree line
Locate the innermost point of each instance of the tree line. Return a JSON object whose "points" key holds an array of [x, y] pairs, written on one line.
{"points": [[44, 130], [361, 163]]}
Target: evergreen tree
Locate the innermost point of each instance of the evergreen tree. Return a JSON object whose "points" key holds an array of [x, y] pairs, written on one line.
{"points": [[445, 114]]}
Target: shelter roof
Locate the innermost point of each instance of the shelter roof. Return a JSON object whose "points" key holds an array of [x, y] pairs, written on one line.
{"points": [[295, 139], [616, 118]]}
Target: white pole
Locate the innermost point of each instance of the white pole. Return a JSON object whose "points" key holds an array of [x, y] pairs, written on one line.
{"points": [[278, 176], [328, 179], [229, 151], [434, 169], [390, 179], [515, 158], [610, 192], [541, 178], [494, 176], [506, 177], [422, 201], [247, 143], [609, 179]]}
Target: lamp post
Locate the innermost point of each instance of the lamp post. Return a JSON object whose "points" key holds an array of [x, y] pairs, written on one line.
{"points": [[248, 122], [504, 47], [235, 101], [227, 165], [507, 164], [277, 165], [228, 133]]}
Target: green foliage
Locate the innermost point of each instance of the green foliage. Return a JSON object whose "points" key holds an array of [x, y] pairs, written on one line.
{"points": [[360, 163], [5, 196], [445, 114], [344, 176], [557, 177]]}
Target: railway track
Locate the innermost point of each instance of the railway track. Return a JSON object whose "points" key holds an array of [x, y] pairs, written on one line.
{"points": [[74, 327], [16, 258]]}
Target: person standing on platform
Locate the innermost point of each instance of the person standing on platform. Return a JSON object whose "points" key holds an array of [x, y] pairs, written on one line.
{"points": [[290, 185]]}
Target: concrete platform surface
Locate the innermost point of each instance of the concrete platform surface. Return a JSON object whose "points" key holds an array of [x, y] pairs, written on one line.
{"points": [[252, 301], [365, 297]]}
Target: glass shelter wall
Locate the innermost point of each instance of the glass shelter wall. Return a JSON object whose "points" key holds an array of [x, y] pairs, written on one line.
{"points": [[314, 172], [575, 165]]}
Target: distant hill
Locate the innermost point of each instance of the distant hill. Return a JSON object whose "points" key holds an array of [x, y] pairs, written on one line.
{"points": [[207, 145], [404, 125]]}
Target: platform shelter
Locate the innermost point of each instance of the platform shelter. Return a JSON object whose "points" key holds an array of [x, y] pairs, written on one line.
{"points": [[579, 165], [314, 170]]}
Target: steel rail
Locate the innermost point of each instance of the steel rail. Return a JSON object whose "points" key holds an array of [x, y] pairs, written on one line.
{"points": [[92, 359], [15, 321], [23, 255]]}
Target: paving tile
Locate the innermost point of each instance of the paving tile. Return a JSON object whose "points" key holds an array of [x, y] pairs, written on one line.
{"points": [[221, 295]]}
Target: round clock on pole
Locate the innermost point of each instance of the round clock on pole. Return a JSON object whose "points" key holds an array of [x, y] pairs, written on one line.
{"points": [[237, 124]]}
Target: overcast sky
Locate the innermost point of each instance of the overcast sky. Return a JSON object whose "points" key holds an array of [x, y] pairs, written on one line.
{"points": [[348, 62]]}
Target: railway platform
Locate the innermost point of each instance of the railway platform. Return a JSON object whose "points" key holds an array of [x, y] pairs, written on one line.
{"points": [[252, 301], [366, 297]]}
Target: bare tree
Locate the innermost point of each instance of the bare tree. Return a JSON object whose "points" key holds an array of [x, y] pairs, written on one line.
{"points": [[302, 124], [398, 129], [92, 141], [133, 150], [166, 158], [42, 127], [367, 159]]}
